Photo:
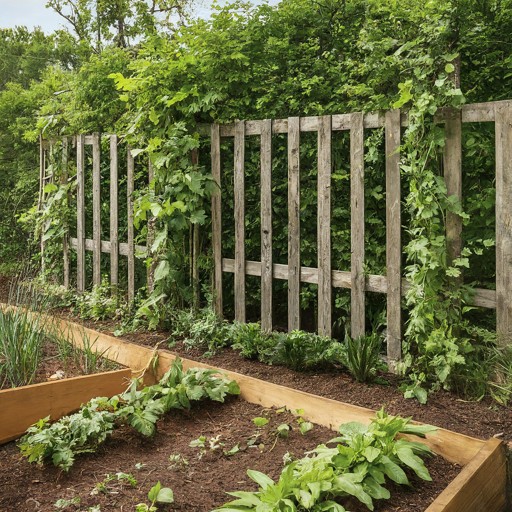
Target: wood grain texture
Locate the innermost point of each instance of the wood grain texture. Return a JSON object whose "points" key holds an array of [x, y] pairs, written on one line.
{"points": [[480, 486], [393, 238], [65, 239], [216, 220], [357, 224], [452, 163], [80, 209], [452, 446], [324, 227], [478, 112], [114, 211], [150, 239], [266, 226], [131, 246], [239, 185], [503, 115], [293, 223], [96, 209], [22, 407]]}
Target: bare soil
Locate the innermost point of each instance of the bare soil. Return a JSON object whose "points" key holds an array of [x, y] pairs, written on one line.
{"points": [[199, 485]]}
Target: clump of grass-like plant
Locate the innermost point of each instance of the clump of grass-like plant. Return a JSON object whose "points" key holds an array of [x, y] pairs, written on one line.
{"points": [[362, 355]]}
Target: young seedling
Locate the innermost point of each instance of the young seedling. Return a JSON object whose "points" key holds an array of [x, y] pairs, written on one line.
{"points": [[64, 503], [201, 443], [156, 494], [283, 430], [119, 477], [233, 450], [139, 465], [176, 460], [305, 426], [252, 440], [287, 458], [260, 422]]}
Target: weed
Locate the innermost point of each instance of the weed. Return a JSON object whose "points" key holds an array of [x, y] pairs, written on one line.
{"points": [[157, 494]]}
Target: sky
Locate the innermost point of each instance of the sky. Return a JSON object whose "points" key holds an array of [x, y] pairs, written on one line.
{"points": [[34, 13]]}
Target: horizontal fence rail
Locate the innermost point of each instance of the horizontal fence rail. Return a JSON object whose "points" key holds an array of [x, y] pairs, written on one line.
{"points": [[392, 284]]}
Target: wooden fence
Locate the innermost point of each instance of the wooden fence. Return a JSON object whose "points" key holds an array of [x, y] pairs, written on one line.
{"points": [[391, 284]]}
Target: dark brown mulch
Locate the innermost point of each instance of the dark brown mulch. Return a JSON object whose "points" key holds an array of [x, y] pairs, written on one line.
{"points": [[444, 409], [200, 485]]}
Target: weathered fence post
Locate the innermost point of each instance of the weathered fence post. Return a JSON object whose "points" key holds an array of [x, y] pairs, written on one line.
{"points": [[131, 246], [114, 238], [357, 224], [293, 223], [96, 209], [239, 221], [150, 240], [65, 239], [80, 211], [324, 226], [393, 239], [266, 226], [216, 221], [503, 120]]}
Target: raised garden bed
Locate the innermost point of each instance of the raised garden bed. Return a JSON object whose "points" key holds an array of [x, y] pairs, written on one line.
{"points": [[480, 486], [198, 484]]}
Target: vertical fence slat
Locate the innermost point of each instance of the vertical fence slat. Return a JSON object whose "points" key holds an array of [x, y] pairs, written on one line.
{"points": [[65, 239], [216, 221], [239, 221], [266, 226], [80, 209], [452, 163], [393, 238], [324, 226], [96, 209], [114, 238], [503, 120], [131, 245], [293, 223], [151, 236], [357, 223]]}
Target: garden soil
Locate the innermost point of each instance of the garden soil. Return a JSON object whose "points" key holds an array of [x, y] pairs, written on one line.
{"points": [[199, 485]]}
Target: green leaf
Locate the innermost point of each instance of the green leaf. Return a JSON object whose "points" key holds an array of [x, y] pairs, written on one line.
{"points": [[153, 493], [260, 422], [394, 471], [162, 270], [375, 490], [406, 455], [260, 478], [165, 495], [449, 68], [50, 188], [371, 453]]}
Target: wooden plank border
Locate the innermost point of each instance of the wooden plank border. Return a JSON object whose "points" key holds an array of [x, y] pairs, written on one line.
{"points": [[22, 407]]}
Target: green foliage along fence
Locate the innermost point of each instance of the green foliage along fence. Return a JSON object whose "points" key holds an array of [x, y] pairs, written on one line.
{"points": [[357, 280]]}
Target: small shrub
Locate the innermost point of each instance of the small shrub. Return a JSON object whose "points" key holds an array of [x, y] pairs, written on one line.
{"points": [[362, 355], [302, 351], [99, 304], [253, 343]]}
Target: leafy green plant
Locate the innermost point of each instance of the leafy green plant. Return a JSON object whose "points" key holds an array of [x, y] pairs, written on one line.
{"points": [[62, 503], [362, 355], [358, 466], [157, 494], [99, 304], [253, 343], [260, 422], [302, 351], [85, 430]]}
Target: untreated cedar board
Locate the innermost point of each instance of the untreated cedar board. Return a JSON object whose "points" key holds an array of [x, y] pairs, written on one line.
{"points": [[80, 212], [22, 407], [216, 221], [503, 115], [452, 446], [293, 223], [239, 185], [131, 247], [114, 237], [324, 226], [357, 224], [480, 487], [96, 209], [266, 226], [393, 238]]}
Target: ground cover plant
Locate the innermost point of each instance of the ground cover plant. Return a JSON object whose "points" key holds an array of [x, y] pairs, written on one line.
{"points": [[82, 432], [356, 467]]}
